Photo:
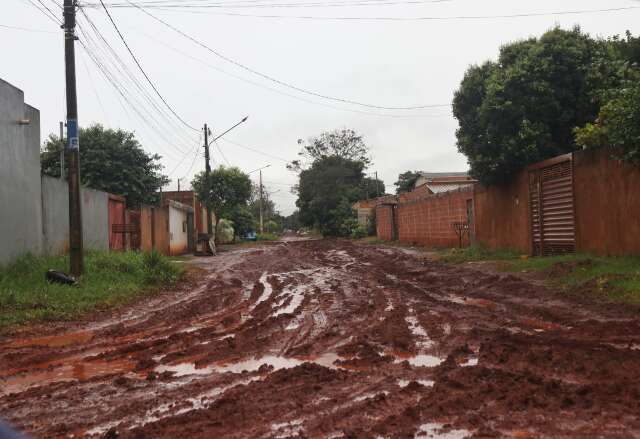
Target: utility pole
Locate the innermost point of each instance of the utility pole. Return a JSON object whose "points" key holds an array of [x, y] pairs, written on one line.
{"points": [[73, 144], [377, 186], [261, 227], [179, 184], [208, 173], [62, 150]]}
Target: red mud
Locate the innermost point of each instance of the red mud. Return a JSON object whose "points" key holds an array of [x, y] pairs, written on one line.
{"points": [[332, 339]]}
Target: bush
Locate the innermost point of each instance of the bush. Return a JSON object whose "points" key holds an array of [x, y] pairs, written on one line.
{"points": [[266, 236], [157, 269]]}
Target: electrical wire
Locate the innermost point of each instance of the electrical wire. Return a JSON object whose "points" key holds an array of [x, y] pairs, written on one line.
{"points": [[241, 5], [289, 95], [143, 71], [28, 29], [278, 81], [44, 12], [257, 151], [429, 18], [122, 68]]}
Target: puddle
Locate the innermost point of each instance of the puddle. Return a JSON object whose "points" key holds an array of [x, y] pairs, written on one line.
{"points": [[420, 360], [251, 365], [419, 332], [54, 341], [79, 371], [436, 431], [288, 429], [426, 383], [370, 395], [470, 362]]}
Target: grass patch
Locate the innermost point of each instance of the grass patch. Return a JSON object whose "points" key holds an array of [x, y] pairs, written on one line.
{"points": [[266, 236], [612, 278], [110, 279]]}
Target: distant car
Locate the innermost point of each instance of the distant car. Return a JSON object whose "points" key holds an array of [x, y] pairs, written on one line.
{"points": [[250, 236]]}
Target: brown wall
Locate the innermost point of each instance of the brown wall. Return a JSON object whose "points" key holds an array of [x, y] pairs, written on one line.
{"points": [[607, 204], [384, 222], [154, 219], [502, 215], [607, 208], [430, 221]]}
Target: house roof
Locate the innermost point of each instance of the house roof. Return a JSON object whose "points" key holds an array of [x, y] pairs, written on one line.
{"points": [[440, 188], [443, 174]]}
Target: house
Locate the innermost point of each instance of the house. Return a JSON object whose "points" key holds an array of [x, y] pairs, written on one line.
{"points": [[190, 198], [168, 228]]}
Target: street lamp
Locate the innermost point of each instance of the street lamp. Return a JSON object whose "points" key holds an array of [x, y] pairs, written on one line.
{"points": [[256, 170], [217, 137]]}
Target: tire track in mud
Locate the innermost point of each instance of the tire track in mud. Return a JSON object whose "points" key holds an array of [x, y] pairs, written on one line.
{"points": [[332, 339]]}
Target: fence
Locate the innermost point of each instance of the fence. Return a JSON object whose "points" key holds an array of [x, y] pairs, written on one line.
{"points": [[586, 201], [426, 220]]}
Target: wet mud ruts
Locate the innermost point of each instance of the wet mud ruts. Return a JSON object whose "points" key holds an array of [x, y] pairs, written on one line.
{"points": [[333, 339]]}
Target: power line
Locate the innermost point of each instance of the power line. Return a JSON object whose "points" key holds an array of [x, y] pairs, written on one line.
{"points": [[28, 29], [243, 5], [142, 70], [283, 93], [278, 81], [424, 18], [121, 67], [257, 151], [44, 12]]}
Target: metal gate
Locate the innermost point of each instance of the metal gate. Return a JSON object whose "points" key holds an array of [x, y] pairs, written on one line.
{"points": [[553, 227]]}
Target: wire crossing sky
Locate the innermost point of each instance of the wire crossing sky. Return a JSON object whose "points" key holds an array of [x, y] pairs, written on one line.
{"points": [[296, 67]]}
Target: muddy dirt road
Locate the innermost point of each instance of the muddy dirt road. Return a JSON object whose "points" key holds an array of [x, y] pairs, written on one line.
{"points": [[331, 339]]}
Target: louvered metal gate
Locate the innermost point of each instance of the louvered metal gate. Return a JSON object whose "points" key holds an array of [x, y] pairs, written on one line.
{"points": [[553, 227]]}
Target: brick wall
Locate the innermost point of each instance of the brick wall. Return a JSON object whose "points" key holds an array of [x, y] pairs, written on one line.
{"points": [[384, 222], [427, 221]]}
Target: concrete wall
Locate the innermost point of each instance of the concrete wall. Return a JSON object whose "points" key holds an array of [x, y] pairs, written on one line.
{"points": [[20, 194], [178, 238], [55, 212]]}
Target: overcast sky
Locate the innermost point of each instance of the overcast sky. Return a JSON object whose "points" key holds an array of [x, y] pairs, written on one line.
{"points": [[383, 63]]}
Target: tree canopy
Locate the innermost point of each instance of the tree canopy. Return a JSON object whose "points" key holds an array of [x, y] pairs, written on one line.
{"points": [[225, 191], [526, 106], [344, 143], [406, 181], [111, 160]]}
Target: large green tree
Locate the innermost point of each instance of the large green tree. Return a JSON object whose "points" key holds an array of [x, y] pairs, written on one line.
{"points": [[330, 184], [525, 107], [224, 191], [343, 143], [111, 160], [406, 181]]}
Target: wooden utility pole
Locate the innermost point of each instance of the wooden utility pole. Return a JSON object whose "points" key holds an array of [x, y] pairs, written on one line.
{"points": [[261, 226], [377, 186], [208, 173], [73, 144], [62, 150]]}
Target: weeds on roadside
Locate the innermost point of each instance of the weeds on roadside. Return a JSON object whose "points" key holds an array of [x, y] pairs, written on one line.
{"points": [[612, 278], [110, 278]]}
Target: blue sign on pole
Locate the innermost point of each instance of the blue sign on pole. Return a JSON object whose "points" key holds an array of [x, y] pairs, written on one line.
{"points": [[72, 134]]}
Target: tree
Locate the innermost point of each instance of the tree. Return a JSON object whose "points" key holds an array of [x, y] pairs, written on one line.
{"points": [[224, 191], [344, 143], [325, 189], [112, 161], [243, 220], [372, 188], [524, 108], [406, 181], [618, 126]]}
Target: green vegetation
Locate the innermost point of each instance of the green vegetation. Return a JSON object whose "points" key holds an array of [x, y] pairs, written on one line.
{"points": [[111, 278], [610, 278], [331, 180], [548, 96], [267, 236], [113, 161]]}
